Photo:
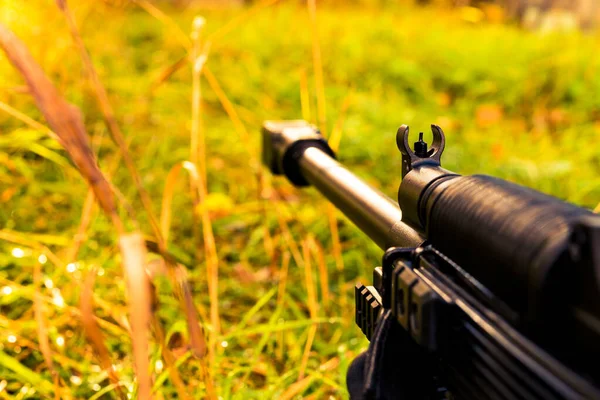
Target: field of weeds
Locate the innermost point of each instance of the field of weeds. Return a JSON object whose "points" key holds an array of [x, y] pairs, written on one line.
{"points": [[252, 279]]}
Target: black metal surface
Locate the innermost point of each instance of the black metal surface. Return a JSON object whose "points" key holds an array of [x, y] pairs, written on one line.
{"points": [[374, 213], [513, 240], [420, 156], [420, 169], [284, 143], [481, 353], [297, 149], [478, 355], [388, 264], [503, 295], [509, 237], [367, 308]]}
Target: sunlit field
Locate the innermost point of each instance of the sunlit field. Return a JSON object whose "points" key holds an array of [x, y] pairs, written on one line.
{"points": [[252, 279]]}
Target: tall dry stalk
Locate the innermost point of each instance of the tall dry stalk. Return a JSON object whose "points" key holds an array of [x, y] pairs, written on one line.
{"points": [[235, 22], [227, 105], [64, 119], [110, 117], [231, 112], [166, 73], [283, 278], [178, 273], [93, 332], [322, 123], [312, 306], [319, 256], [304, 96], [198, 157], [317, 66], [86, 217], [151, 9], [67, 123], [334, 142], [133, 251], [177, 31], [336, 133], [42, 329], [254, 156], [117, 135], [199, 56]]}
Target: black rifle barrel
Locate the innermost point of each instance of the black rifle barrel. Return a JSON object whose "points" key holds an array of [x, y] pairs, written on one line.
{"points": [[373, 212]]}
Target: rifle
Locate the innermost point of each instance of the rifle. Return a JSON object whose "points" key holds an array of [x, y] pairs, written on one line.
{"points": [[486, 289]]}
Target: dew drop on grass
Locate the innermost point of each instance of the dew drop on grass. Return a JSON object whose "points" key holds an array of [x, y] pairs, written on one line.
{"points": [[57, 298], [18, 252]]}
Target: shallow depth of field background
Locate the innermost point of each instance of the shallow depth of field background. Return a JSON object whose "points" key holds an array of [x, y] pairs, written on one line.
{"points": [[521, 104]]}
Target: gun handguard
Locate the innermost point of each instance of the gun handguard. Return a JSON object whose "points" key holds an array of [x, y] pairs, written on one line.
{"points": [[497, 281]]}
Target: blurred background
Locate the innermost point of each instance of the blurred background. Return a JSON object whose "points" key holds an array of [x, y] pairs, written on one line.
{"points": [[515, 85]]}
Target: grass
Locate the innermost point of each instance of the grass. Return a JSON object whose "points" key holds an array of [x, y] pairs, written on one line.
{"points": [[514, 104]]}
